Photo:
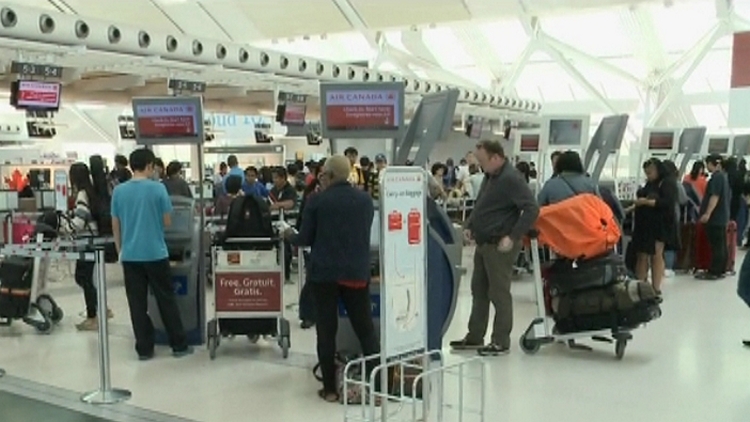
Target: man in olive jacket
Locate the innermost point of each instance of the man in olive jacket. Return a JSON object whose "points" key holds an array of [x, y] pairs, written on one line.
{"points": [[504, 212]]}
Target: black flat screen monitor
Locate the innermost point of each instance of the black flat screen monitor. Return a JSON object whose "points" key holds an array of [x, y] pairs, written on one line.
{"points": [[168, 120], [362, 110], [660, 141], [718, 145], [565, 132]]}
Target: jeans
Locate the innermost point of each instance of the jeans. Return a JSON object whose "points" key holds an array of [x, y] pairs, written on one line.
{"points": [[358, 308], [139, 277], [717, 239], [84, 276], [669, 259], [741, 221]]}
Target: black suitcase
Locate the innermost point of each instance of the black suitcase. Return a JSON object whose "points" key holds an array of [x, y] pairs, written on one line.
{"points": [[626, 320], [15, 287], [564, 275]]}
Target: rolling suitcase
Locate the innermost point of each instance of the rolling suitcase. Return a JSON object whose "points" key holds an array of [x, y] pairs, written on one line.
{"points": [[686, 255], [702, 249]]}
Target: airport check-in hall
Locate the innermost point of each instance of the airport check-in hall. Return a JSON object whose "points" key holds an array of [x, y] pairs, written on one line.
{"points": [[360, 210]]}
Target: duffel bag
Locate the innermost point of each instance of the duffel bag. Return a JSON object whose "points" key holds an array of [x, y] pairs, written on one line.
{"points": [[617, 298], [566, 275]]}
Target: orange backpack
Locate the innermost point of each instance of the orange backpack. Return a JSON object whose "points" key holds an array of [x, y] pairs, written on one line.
{"points": [[579, 227]]}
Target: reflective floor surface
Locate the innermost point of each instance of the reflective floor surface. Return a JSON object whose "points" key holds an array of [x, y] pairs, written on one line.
{"points": [[688, 365]]}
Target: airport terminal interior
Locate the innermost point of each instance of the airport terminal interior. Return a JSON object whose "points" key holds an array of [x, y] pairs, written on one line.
{"points": [[412, 92]]}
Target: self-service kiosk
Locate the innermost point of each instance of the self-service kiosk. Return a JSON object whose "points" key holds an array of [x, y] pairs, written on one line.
{"points": [[561, 133], [183, 238], [741, 146], [605, 144], [526, 145], [689, 147], [656, 142], [716, 143]]}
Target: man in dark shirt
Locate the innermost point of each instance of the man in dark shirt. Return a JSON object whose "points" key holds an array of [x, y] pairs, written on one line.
{"points": [[715, 216], [336, 226], [504, 212], [283, 196]]}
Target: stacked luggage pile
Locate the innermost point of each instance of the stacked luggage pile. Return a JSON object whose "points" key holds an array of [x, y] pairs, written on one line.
{"points": [[596, 294], [586, 290]]}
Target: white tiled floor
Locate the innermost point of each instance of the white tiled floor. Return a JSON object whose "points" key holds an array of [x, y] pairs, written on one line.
{"points": [[689, 365]]}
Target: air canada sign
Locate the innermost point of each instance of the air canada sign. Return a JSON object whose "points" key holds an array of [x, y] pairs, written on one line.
{"points": [[363, 110]]}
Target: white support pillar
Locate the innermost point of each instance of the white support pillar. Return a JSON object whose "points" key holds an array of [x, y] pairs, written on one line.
{"points": [[676, 89], [509, 81], [686, 57], [577, 54]]}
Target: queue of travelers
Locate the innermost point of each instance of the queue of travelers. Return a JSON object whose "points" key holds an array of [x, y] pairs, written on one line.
{"points": [[335, 196]]}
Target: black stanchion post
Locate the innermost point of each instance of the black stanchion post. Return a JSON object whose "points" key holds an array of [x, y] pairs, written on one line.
{"points": [[105, 394]]}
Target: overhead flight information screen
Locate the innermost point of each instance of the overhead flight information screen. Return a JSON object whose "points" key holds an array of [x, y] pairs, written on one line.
{"points": [[168, 119], [362, 110]]}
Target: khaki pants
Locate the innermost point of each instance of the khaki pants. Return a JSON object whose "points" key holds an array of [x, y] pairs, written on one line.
{"points": [[490, 283]]}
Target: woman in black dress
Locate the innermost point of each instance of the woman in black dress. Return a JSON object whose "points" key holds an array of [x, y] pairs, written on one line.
{"points": [[655, 222]]}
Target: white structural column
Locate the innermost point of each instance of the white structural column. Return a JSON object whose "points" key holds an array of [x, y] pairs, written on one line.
{"points": [[508, 83]]}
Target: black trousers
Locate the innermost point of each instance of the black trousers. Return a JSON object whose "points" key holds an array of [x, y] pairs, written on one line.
{"points": [[287, 260], [717, 239], [139, 277], [358, 307], [84, 276], [306, 298]]}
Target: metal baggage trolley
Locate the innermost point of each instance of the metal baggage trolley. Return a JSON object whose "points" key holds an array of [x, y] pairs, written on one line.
{"points": [[248, 293], [541, 332]]}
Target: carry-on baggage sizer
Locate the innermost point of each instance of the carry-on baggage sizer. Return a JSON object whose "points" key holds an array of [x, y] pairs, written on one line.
{"points": [[702, 251], [603, 311]]}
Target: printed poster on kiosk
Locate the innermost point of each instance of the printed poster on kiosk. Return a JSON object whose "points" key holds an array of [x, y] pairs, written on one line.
{"points": [[403, 255]]}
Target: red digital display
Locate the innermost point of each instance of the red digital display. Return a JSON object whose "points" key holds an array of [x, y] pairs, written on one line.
{"points": [[167, 121], [294, 114], [661, 141], [529, 143], [362, 110], [38, 95]]}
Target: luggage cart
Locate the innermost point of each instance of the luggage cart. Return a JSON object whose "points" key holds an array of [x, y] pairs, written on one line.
{"points": [[249, 294], [541, 332]]}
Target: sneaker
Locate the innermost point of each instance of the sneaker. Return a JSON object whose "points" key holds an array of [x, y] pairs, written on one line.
{"points": [[493, 350], [668, 273], [746, 343], [305, 325], [182, 353], [144, 358], [89, 324], [708, 276], [465, 344]]}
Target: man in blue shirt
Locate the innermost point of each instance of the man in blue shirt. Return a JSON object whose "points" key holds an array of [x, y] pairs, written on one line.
{"points": [[234, 169], [140, 210], [251, 185]]}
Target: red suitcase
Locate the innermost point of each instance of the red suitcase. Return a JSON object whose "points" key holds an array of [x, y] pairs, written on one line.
{"points": [[702, 251]]}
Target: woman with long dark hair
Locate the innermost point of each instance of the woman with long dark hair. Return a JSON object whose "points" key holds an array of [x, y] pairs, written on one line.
{"points": [[697, 179], [82, 221], [655, 222]]}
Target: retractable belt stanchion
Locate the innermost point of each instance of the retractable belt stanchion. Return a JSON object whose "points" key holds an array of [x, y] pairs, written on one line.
{"points": [[105, 394]]}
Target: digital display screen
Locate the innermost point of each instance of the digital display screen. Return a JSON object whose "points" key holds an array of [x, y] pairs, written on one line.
{"points": [[565, 132], [661, 141], [718, 145], [294, 114], [741, 145], [366, 110], [36, 95], [168, 120], [529, 143], [357, 110]]}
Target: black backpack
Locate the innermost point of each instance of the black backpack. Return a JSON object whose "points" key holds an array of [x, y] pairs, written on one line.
{"points": [[249, 217], [101, 205]]}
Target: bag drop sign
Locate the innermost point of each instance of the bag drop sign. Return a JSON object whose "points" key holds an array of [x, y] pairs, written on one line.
{"points": [[248, 291]]}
